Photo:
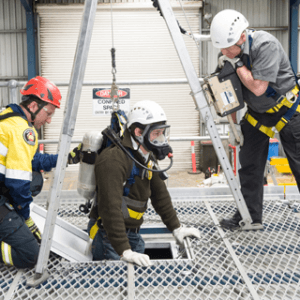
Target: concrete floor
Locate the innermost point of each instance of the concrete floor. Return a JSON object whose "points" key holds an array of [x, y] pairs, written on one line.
{"points": [[176, 179]]}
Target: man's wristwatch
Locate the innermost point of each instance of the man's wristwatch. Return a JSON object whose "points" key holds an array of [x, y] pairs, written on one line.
{"points": [[239, 64]]}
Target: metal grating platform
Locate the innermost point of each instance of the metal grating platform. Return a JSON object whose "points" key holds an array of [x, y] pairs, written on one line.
{"points": [[227, 264]]}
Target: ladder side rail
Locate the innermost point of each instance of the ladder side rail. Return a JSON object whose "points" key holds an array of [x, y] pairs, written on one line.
{"points": [[70, 114], [202, 105]]}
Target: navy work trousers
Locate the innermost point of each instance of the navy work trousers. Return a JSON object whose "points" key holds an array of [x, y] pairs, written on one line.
{"points": [[102, 248], [253, 157], [18, 245]]}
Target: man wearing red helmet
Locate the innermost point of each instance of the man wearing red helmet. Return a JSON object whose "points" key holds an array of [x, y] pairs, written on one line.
{"points": [[19, 236], [40, 95]]}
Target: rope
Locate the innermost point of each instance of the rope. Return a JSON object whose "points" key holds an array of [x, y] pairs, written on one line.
{"points": [[182, 30], [191, 31], [112, 25], [114, 95]]}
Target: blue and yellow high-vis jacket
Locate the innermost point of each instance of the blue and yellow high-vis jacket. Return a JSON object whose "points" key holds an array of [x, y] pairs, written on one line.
{"points": [[18, 157]]}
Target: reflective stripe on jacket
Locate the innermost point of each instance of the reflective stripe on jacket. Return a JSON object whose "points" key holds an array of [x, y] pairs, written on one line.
{"points": [[18, 145]]}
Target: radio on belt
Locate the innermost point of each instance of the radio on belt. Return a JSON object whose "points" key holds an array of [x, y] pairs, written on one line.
{"points": [[224, 90]]}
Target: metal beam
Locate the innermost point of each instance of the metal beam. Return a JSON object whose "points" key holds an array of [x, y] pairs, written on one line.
{"points": [[12, 30], [108, 82], [67, 131], [31, 56], [294, 13], [27, 4], [201, 104], [294, 2]]}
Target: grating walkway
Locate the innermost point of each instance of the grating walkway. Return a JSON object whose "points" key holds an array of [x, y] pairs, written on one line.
{"points": [[263, 264]]}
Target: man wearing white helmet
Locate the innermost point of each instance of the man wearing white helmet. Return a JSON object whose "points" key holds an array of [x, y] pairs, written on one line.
{"points": [[123, 189], [271, 93]]}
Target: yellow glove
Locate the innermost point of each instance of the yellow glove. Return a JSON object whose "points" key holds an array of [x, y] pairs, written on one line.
{"points": [[74, 155], [34, 229]]}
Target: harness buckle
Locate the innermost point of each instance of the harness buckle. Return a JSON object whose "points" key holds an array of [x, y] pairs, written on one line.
{"points": [[291, 97], [281, 98]]}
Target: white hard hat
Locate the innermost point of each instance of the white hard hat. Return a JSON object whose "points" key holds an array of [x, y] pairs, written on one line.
{"points": [[146, 112], [226, 28]]}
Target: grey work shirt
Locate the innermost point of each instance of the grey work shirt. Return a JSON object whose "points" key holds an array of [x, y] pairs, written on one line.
{"points": [[268, 62]]}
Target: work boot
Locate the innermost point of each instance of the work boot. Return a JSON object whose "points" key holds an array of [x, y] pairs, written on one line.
{"points": [[233, 222]]}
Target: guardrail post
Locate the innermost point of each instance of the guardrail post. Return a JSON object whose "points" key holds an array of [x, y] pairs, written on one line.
{"points": [[12, 85]]}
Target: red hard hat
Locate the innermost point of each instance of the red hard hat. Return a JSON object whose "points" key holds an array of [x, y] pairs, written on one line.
{"points": [[44, 89]]}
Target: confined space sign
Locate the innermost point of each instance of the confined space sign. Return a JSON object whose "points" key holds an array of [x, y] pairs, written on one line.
{"points": [[102, 104]]}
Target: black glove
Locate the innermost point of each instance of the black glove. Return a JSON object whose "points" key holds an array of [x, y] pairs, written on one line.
{"points": [[34, 229], [36, 184], [74, 155]]}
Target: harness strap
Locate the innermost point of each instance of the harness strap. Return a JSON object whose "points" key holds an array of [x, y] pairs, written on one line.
{"points": [[288, 115], [124, 209], [270, 92], [250, 39], [94, 229], [127, 213], [135, 171], [135, 203], [264, 129], [283, 101], [270, 131], [135, 214]]}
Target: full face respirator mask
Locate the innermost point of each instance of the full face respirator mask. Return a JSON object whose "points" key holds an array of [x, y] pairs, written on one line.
{"points": [[155, 138]]}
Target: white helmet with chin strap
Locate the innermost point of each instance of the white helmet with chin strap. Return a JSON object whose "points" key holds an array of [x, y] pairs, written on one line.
{"points": [[226, 28], [146, 112], [151, 118]]}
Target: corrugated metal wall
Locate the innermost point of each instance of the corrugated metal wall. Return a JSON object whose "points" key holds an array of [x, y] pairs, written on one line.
{"points": [[13, 44], [268, 15], [144, 50], [99, 1], [13, 59]]}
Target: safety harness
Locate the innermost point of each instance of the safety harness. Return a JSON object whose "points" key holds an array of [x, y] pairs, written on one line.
{"points": [[290, 100], [127, 213], [118, 122]]}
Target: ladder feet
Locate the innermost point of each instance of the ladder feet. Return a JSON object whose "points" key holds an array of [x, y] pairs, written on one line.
{"points": [[37, 279]]}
